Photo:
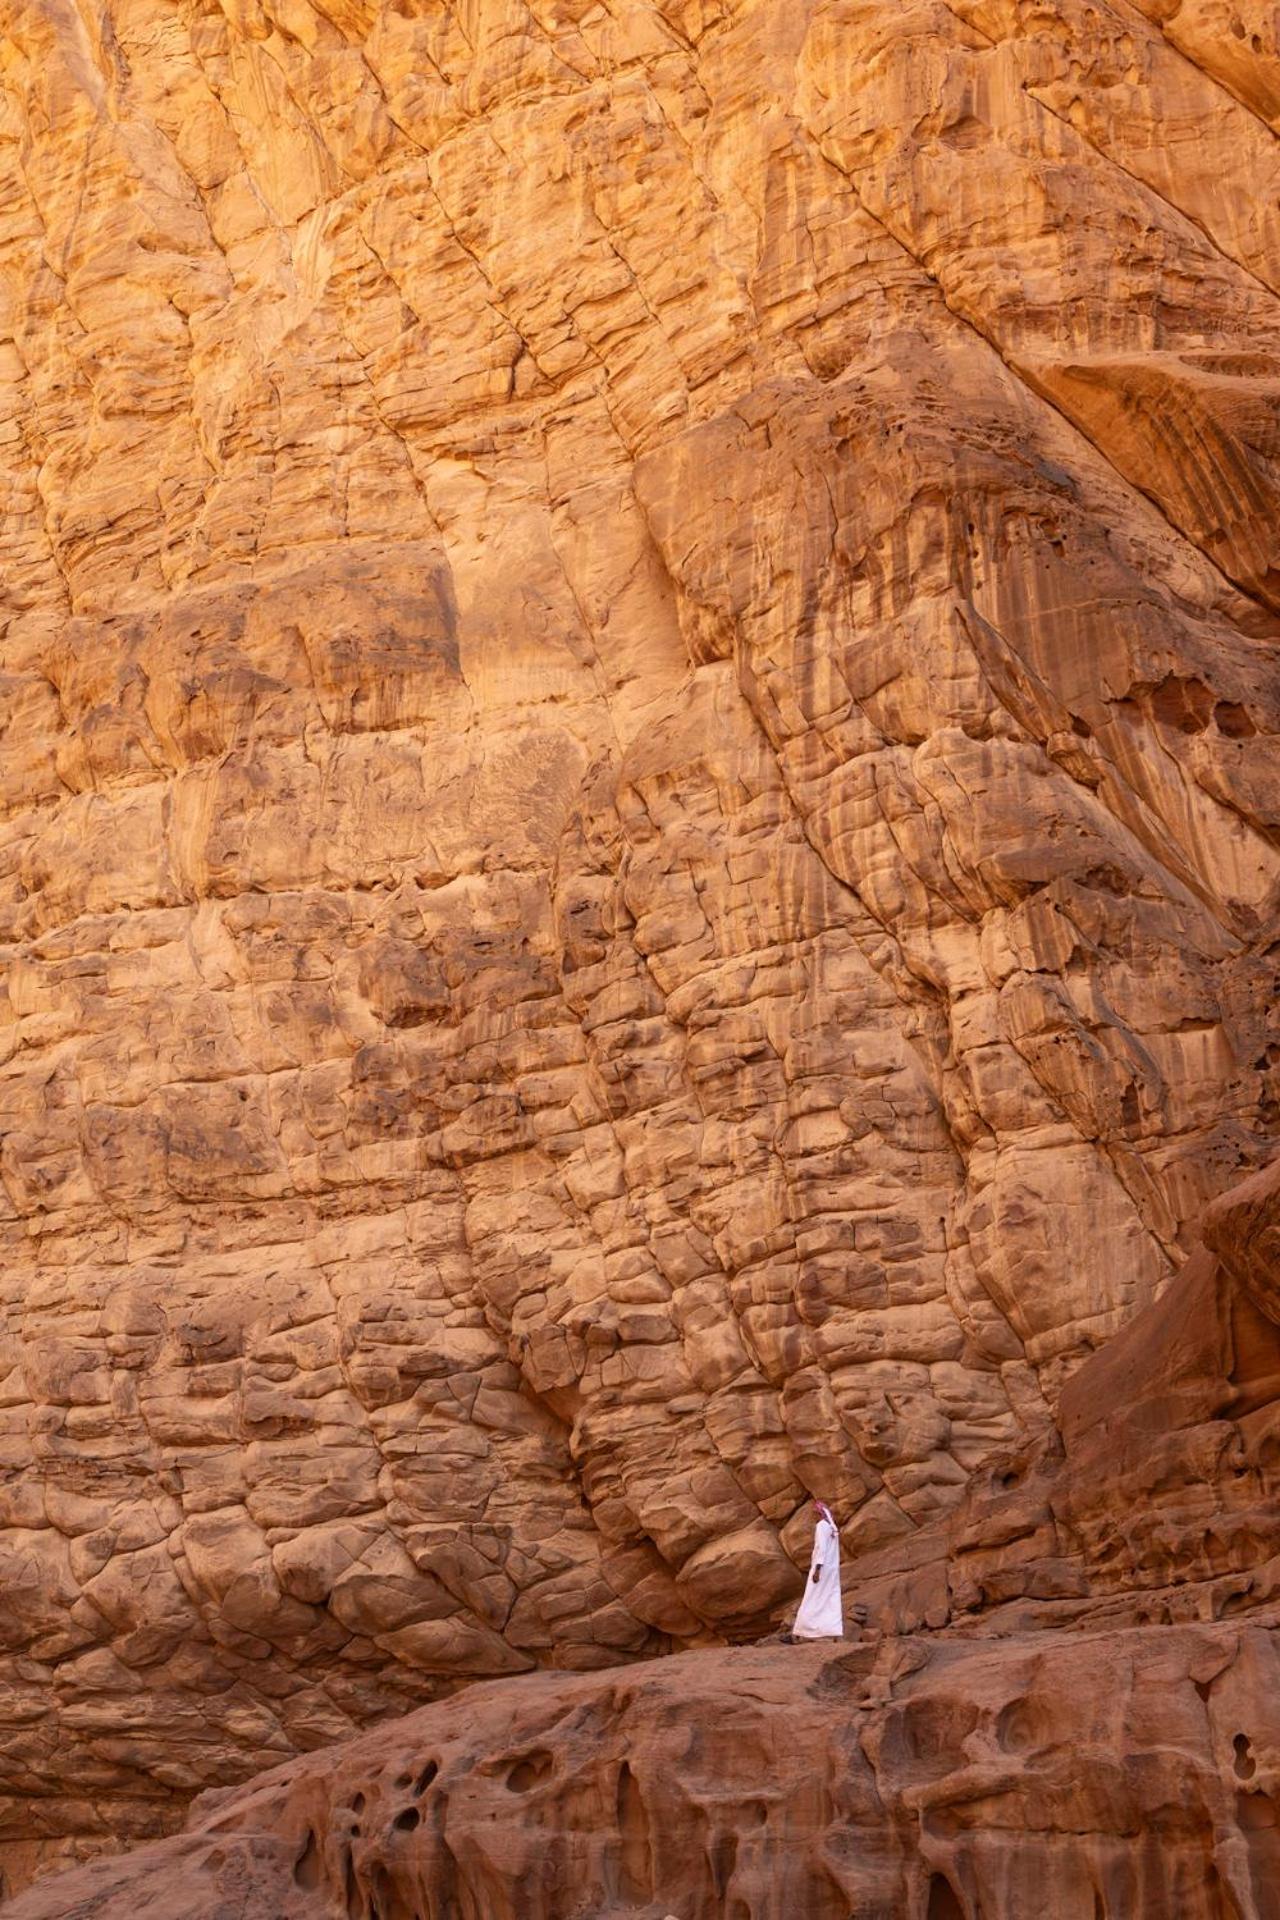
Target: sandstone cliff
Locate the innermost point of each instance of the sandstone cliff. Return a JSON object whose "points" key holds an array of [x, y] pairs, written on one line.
{"points": [[639, 824], [1077, 1721]]}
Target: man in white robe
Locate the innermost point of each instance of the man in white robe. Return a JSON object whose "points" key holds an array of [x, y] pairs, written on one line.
{"points": [[821, 1616]]}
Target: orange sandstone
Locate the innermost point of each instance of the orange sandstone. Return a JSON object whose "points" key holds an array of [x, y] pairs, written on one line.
{"points": [[639, 854]]}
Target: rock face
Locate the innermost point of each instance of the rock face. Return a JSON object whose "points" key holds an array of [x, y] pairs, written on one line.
{"points": [[1156, 1499], [1075, 1724], [639, 840], [1078, 1775]]}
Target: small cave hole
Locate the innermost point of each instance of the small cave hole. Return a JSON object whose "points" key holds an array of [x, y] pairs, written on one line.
{"points": [[944, 1902], [528, 1771], [1233, 720], [425, 1778], [407, 1819], [1016, 1726], [724, 1861], [1183, 704], [1255, 1813], [1246, 1765], [357, 1803], [385, 1899], [306, 1868], [634, 1879]]}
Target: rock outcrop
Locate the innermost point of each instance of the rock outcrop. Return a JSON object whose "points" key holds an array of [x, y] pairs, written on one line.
{"points": [[1091, 1776], [1156, 1498], [639, 837], [1077, 1725]]}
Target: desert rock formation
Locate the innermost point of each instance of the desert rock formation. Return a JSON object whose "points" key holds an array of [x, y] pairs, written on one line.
{"points": [[1078, 1720], [639, 830], [925, 1780]]}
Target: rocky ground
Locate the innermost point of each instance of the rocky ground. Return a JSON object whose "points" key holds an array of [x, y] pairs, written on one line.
{"points": [[1074, 1774], [639, 851]]}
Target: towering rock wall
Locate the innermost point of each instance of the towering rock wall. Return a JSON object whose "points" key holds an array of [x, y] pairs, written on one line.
{"points": [[641, 815]]}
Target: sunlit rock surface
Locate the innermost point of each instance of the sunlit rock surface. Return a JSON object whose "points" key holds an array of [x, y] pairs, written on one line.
{"points": [[1065, 1701], [921, 1780], [640, 836]]}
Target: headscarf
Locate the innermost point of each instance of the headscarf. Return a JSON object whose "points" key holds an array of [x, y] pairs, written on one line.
{"points": [[825, 1511]]}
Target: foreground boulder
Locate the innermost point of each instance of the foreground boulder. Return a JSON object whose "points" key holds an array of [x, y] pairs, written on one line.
{"points": [[1091, 1776]]}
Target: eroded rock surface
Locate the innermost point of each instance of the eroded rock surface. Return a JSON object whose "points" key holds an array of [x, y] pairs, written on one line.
{"points": [[1156, 1497], [1083, 1775], [639, 818], [1078, 1727]]}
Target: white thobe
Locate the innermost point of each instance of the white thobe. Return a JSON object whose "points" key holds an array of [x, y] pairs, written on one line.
{"points": [[821, 1616]]}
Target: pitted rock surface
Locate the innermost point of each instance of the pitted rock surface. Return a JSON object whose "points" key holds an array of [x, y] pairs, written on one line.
{"points": [[1110, 1774], [639, 824]]}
